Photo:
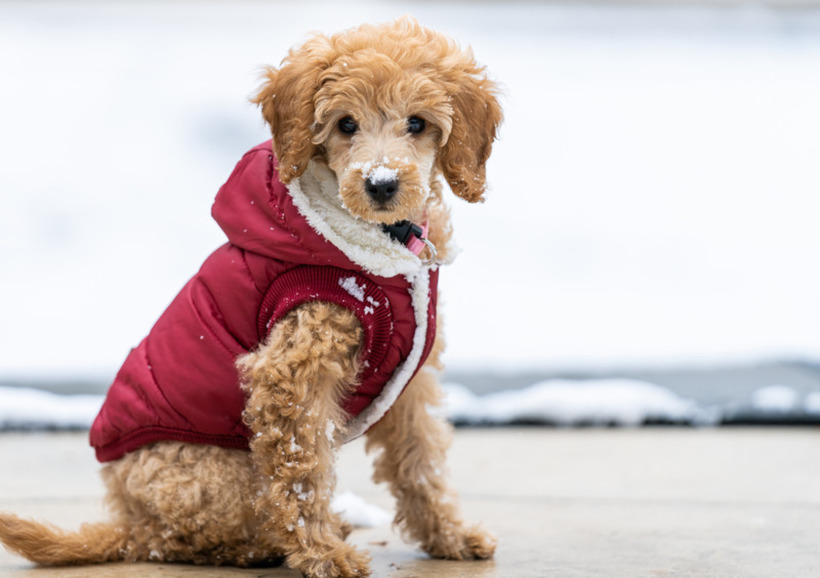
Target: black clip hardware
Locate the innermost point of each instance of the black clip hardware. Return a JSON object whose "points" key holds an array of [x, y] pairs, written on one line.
{"points": [[403, 230]]}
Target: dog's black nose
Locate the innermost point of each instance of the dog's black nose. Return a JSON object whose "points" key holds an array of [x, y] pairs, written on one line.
{"points": [[381, 190]]}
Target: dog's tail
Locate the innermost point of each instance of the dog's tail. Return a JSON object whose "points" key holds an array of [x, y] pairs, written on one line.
{"points": [[50, 546]]}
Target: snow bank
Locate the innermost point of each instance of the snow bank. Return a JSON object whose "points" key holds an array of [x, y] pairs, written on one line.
{"points": [[775, 399], [619, 402], [812, 403], [35, 409], [358, 512], [563, 402]]}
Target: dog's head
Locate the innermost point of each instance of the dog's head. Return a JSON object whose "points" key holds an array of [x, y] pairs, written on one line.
{"points": [[388, 108]]}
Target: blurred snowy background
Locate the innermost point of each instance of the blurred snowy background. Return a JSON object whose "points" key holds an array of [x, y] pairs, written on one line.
{"points": [[653, 213]]}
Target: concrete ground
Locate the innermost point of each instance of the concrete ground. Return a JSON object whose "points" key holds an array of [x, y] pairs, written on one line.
{"points": [[564, 503]]}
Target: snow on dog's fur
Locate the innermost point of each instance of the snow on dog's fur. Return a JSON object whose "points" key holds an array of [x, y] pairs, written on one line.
{"points": [[395, 106]]}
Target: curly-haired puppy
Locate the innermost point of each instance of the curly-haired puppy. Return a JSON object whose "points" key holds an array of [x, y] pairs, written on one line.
{"points": [[316, 318]]}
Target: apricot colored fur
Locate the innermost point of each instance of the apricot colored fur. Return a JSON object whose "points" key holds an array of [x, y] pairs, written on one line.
{"points": [[412, 448], [177, 502]]}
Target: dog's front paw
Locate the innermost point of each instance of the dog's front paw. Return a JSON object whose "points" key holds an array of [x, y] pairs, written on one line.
{"points": [[480, 543], [473, 543], [342, 561]]}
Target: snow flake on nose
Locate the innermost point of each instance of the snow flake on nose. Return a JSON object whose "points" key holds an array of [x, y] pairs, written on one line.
{"points": [[377, 173], [382, 174], [349, 284]]}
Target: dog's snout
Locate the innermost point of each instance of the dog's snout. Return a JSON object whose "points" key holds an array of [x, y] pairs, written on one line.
{"points": [[381, 190]]}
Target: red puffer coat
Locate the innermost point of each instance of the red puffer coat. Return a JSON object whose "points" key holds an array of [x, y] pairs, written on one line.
{"points": [[181, 382]]}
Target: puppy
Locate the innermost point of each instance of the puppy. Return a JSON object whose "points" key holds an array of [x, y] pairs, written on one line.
{"points": [[316, 318]]}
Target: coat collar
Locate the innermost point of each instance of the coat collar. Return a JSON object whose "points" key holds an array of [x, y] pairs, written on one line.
{"points": [[316, 195], [305, 221]]}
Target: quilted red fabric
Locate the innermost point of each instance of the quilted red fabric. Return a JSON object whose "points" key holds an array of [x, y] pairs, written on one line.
{"points": [[180, 383]]}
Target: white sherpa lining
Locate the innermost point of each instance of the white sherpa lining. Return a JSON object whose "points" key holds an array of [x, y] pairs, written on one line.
{"points": [[315, 196], [419, 291]]}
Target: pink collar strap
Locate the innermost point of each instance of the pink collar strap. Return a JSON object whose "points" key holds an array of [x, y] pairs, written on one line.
{"points": [[414, 237]]}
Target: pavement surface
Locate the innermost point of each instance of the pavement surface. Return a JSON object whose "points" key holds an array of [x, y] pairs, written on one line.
{"points": [[725, 502]]}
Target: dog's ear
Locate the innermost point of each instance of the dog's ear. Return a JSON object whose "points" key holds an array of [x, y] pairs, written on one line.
{"points": [[286, 100], [476, 116]]}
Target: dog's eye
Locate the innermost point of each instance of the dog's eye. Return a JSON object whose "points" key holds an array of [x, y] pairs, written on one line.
{"points": [[348, 126], [415, 125]]}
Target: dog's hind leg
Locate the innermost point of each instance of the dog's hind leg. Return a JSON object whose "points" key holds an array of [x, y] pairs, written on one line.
{"points": [[49, 546], [413, 446], [171, 502], [188, 503], [296, 381]]}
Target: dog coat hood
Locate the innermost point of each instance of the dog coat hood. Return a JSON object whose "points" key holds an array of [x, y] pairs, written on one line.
{"points": [[287, 245]]}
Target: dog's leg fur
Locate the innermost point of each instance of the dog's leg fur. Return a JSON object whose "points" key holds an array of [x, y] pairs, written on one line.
{"points": [[176, 502], [296, 382], [413, 447]]}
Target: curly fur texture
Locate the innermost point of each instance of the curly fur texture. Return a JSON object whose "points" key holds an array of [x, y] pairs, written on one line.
{"points": [[176, 502], [396, 70]]}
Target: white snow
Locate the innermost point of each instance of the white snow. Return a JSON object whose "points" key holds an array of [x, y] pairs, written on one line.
{"points": [[562, 402], [359, 512], [30, 408], [349, 284], [376, 172], [653, 193], [812, 403], [330, 429], [620, 402], [775, 399], [294, 447], [382, 174]]}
